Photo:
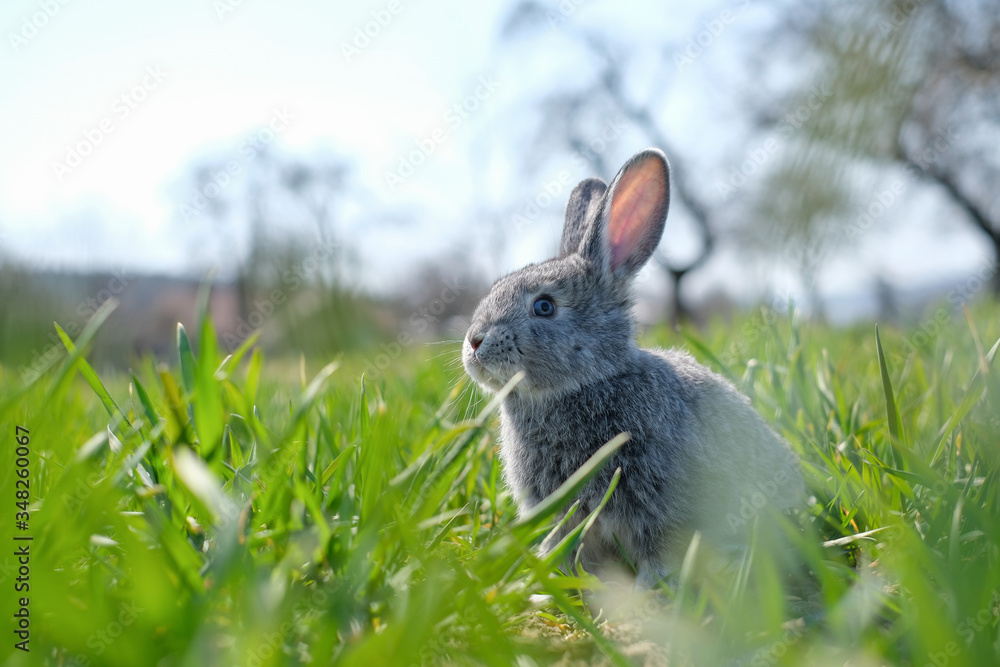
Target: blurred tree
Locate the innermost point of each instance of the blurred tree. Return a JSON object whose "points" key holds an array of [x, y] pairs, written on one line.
{"points": [[882, 87], [276, 217], [951, 131], [574, 115], [277, 206]]}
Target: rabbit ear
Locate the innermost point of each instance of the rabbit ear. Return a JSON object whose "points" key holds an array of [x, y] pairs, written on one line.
{"points": [[633, 213], [583, 202]]}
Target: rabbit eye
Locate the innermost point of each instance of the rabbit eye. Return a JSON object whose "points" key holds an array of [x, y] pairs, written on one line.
{"points": [[544, 307]]}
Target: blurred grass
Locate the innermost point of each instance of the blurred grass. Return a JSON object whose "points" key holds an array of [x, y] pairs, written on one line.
{"points": [[319, 319], [219, 512]]}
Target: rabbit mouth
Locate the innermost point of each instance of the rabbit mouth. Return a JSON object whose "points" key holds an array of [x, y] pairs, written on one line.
{"points": [[490, 376], [489, 379]]}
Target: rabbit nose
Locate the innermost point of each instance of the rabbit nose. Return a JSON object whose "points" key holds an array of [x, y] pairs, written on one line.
{"points": [[476, 335]]}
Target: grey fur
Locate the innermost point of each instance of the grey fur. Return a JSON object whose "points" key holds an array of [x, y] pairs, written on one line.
{"points": [[579, 210], [698, 456]]}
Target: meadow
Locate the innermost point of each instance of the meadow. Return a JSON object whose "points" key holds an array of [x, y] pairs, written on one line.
{"points": [[237, 510]]}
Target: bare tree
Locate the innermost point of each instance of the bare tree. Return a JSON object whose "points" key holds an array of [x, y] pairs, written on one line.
{"points": [[904, 85], [282, 207], [570, 122], [957, 107]]}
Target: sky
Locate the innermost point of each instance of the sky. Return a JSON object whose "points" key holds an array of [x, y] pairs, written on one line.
{"points": [[148, 89], [107, 107]]}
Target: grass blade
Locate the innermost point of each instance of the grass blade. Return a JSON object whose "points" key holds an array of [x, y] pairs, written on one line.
{"points": [[209, 418], [892, 413], [558, 499], [87, 371], [186, 357]]}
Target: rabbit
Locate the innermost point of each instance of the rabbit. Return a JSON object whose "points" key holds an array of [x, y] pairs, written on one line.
{"points": [[699, 457]]}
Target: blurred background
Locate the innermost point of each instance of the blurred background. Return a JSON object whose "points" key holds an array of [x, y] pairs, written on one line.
{"points": [[352, 177]]}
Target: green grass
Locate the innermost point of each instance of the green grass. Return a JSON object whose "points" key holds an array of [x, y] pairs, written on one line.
{"points": [[219, 513]]}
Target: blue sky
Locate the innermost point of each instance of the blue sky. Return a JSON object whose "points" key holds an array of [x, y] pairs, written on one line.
{"points": [[152, 88]]}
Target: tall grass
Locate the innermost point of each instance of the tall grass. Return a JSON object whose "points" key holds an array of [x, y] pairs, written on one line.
{"points": [[209, 513]]}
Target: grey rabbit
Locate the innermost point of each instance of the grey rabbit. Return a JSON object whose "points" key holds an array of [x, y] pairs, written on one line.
{"points": [[699, 455]]}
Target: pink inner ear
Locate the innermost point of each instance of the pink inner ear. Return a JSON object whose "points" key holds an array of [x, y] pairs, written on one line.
{"points": [[640, 192]]}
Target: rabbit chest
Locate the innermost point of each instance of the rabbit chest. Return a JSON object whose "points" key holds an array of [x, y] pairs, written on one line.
{"points": [[544, 442]]}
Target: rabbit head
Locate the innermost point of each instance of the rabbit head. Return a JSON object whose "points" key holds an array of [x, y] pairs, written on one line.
{"points": [[568, 322]]}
